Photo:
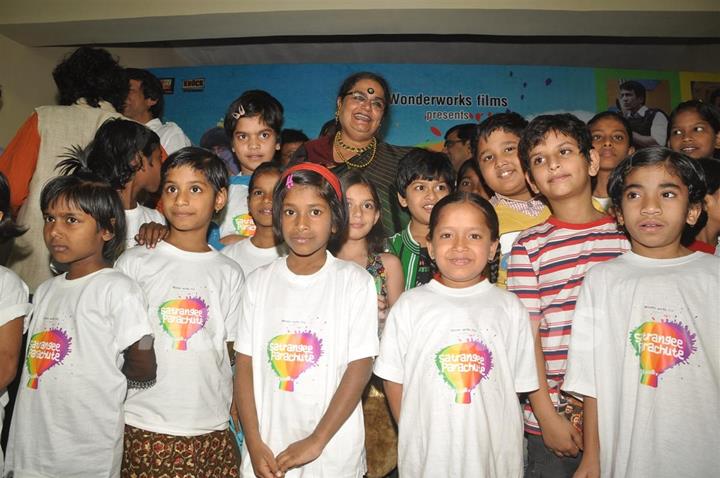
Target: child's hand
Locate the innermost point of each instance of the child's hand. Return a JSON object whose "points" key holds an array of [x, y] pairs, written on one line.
{"points": [[561, 437], [589, 468], [263, 461], [300, 453], [150, 234], [382, 307]]}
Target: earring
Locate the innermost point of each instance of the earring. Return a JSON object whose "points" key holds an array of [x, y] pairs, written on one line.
{"points": [[337, 116]]}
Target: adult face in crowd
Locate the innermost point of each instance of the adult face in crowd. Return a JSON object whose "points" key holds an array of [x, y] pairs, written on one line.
{"points": [[458, 144]]}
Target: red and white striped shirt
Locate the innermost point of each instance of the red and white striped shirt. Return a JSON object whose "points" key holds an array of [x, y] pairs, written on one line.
{"points": [[547, 266]]}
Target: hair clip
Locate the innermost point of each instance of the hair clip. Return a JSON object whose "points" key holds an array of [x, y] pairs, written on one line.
{"points": [[240, 112], [289, 182]]}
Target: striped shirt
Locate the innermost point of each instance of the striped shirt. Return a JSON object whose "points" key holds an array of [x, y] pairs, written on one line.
{"points": [[547, 266]]}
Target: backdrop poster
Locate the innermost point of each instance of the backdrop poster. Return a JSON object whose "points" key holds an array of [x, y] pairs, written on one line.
{"points": [[662, 88], [700, 86], [426, 100]]}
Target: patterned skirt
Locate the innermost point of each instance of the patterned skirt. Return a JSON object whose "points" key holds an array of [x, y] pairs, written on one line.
{"points": [[155, 455]]}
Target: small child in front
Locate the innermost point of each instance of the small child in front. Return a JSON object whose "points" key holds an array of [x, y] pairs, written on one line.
{"points": [[305, 342], [180, 426], [546, 268], [455, 353], [89, 340], [644, 349], [423, 178]]}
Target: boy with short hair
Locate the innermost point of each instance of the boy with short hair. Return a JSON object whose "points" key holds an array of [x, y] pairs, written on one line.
{"points": [[423, 178], [643, 351], [496, 151], [546, 269]]}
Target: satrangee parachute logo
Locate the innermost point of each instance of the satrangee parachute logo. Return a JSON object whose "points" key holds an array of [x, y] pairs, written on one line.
{"points": [[183, 318], [45, 350], [661, 346], [463, 366], [292, 354]]}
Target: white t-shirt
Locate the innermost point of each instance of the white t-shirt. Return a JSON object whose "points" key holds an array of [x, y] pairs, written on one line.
{"points": [[235, 217], [194, 305], [462, 355], [302, 331], [68, 418], [250, 257], [134, 218], [171, 135], [13, 304], [646, 345]]}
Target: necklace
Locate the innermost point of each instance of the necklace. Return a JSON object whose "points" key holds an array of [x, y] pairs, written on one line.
{"points": [[348, 161], [339, 141]]}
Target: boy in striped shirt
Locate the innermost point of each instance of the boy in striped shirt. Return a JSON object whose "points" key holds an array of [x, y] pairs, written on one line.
{"points": [[546, 269]]}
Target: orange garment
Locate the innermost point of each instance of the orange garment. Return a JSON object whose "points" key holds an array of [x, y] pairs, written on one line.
{"points": [[19, 160]]}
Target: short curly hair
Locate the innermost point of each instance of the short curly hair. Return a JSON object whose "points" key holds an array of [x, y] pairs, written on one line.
{"points": [[93, 74]]}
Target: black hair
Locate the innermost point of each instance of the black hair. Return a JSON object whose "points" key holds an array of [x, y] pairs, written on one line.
{"points": [[511, 122], [465, 131], [198, 159], [93, 74], [329, 128], [617, 117], [292, 136], [538, 129], [264, 168], [376, 237], [151, 89], [422, 164], [8, 228], [306, 177], [636, 87], [686, 168], [491, 220], [711, 168], [350, 81], [215, 137], [113, 150], [471, 164], [254, 103], [707, 112], [88, 192]]}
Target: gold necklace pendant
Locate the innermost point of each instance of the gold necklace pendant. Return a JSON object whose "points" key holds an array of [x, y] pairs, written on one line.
{"points": [[349, 161], [339, 141]]}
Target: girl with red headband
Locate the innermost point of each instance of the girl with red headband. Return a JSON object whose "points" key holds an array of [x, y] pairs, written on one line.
{"points": [[306, 339]]}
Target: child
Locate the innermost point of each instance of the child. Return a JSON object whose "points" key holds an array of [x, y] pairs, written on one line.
{"points": [[127, 155], [612, 139], [253, 123], [496, 151], [307, 335], [364, 245], [707, 229], [474, 337], [180, 426], [14, 307], [89, 340], [469, 179], [546, 268], [694, 129], [643, 351], [263, 247], [423, 178]]}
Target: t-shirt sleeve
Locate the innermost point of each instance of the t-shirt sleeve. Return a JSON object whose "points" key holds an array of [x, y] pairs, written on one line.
{"points": [[125, 265], [522, 280], [14, 298], [580, 373], [19, 159], [521, 350], [390, 365], [244, 335], [130, 321], [234, 311], [363, 336], [658, 130]]}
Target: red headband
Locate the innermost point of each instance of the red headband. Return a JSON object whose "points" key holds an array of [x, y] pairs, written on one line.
{"points": [[316, 168]]}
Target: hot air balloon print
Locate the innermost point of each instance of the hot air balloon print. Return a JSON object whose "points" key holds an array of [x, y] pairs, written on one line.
{"points": [[292, 354], [463, 365], [183, 318], [45, 350], [661, 346]]}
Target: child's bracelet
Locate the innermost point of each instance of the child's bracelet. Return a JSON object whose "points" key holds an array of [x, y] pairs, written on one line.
{"points": [[138, 384]]}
